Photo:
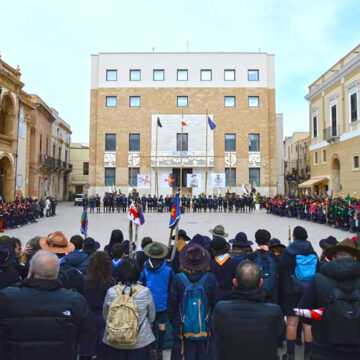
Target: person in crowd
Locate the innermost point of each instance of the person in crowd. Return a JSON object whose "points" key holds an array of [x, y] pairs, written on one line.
{"points": [[116, 238], [58, 244], [97, 281], [47, 206], [90, 246], [240, 247], [291, 289], [117, 257], [50, 327], [18, 261], [188, 341], [77, 258], [221, 263], [324, 244], [183, 238], [268, 265], [141, 257], [128, 283], [157, 277], [203, 241], [8, 275], [336, 289], [247, 319], [276, 247]]}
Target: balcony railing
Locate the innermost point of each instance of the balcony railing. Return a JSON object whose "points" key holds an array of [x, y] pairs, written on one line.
{"points": [[47, 160], [331, 133]]}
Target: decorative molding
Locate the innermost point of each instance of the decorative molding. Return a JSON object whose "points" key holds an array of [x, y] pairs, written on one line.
{"points": [[134, 159], [175, 161], [230, 159], [254, 159], [109, 159]]}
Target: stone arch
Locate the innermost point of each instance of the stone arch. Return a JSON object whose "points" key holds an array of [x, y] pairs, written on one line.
{"points": [[7, 177], [336, 175], [7, 116]]}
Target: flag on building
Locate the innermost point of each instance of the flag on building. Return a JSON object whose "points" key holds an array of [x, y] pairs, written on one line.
{"points": [[159, 123], [175, 212], [315, 314], [84, 223], [135, 214], [211, 124]]}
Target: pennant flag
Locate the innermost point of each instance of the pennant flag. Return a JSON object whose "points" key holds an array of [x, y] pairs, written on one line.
{"points": [[211, 124], [84, 223], [315, 314], [175, 212], [183, 123], [159, 123], [135, 214]]}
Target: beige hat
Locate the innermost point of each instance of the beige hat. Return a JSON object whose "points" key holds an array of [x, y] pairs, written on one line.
{"points": [[56, 243]]}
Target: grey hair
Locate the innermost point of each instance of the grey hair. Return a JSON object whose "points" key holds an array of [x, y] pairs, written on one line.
{"points": [[45, 265], [248, 275]]}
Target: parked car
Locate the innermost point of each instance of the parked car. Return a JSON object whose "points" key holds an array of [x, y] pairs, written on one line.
{"points": [[78, 200]]}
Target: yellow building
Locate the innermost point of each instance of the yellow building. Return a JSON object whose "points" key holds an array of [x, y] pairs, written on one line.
{"points": [[335, 130], [79, 160], [236, 91]]}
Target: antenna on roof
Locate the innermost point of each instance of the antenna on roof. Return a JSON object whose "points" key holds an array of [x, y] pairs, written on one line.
{"points": [[187, 45]]}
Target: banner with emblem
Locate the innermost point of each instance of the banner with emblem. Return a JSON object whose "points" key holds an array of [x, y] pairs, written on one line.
{"points": [[143, 181], [167, 180], [218, 180], [193, 180]]}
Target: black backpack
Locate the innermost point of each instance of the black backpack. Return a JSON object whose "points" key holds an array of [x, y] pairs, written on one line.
{"points": [[341, 318]]}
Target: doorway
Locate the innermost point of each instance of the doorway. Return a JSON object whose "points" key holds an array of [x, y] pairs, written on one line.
{"points": [[335, 177]]}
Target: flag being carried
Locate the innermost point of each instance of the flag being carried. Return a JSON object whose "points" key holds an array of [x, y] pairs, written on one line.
{"points": [[175, 212], [84, 223], [135, 214]]}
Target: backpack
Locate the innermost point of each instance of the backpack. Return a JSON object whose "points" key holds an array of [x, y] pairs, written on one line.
{"points": [[305, 270], [122, 321], [194, 311], [268, 268], [341, 318]]}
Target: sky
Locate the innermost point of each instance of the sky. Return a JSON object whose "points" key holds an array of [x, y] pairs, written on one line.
{"points": [[52, 42]]}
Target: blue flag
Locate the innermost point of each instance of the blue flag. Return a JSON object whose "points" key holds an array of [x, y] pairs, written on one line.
{"points": [[175, 212], [211, 124], [84, 223]]}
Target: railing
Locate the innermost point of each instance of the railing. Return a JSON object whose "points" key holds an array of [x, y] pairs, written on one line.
{"points": [[47, 160], [331, 133]]}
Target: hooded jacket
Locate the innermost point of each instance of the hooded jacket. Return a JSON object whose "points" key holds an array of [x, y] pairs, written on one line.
{"points": [[247, 322], [79, 260]]}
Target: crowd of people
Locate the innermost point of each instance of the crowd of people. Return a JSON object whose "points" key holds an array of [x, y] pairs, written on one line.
{"points": [[223, 299], [25, 211], [341, 213]]}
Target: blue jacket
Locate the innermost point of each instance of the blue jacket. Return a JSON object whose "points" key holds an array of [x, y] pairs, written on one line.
{"points": [[78, 259], [115, 268], [157, 276]]}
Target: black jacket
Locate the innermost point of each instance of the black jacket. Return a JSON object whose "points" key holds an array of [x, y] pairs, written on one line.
{"points": [[40, 320], [246, 327]]}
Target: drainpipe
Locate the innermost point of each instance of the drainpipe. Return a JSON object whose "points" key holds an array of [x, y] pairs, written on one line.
{"points": [[17, 150]]}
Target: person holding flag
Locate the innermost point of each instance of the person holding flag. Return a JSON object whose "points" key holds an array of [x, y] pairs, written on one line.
{"points": [[136, 217]]}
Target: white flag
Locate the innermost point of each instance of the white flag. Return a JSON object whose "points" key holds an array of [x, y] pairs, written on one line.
{"points": [[218, 180]]}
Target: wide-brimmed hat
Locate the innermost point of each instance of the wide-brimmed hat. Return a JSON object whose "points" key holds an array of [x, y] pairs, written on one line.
{"points": [[156, 250], [182, 233], [198, 239], [276, 243], [219, 246], [56, 243], [90, 245], [346, 245], [219, 231], [241, 240], [194, 257], [328, 242], [6, 256]]}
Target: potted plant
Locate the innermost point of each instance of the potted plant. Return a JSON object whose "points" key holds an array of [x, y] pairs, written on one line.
{"points": [[257, 201]]}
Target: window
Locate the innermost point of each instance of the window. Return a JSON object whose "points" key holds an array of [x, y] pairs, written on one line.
{"points": [[230, 142], [134, 142], [111, 101], [111, 75], [182, 101], [254, 142], [205, 75], [109, 176], [110, 142], [182, 75], [356, 162], [324, 156], [229, 75], [40, 144], [253, 101], [53, 152], [135, 75], [316, 157], [85, 168], [230, 176], [229, 101], [253, 75], [134, 101], [353, 107], [315, 129], [133, 173], [333, 118], [254, 176], [159, 75], [185, 142]]}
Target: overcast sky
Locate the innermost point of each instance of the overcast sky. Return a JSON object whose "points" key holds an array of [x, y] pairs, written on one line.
{"points": [[52, 42]]}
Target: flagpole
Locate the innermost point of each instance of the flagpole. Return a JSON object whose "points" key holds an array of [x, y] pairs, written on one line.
{"points": [[156, 161], [181, 152], [206, 153]]}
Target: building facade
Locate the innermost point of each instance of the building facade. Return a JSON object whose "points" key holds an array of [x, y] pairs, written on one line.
{"points": [[79, 159], [335, 129], [15, 117], [150, 115], [296, 161]]}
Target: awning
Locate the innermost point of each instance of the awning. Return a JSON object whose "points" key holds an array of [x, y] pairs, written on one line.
{"points": [[312, 181]]}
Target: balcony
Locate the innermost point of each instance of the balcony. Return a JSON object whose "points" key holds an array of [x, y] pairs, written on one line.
{"points": [[331, 133], [47, 161]]}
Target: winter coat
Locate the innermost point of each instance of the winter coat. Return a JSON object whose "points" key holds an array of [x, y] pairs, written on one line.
{"points": [[248, 322], [79, 260], [71, 278], [50, 327], [8, 278]]}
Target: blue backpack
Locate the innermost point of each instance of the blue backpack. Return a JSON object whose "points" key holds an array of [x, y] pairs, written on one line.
{"points": [[305, 270], [194, 311], [269, 272]]}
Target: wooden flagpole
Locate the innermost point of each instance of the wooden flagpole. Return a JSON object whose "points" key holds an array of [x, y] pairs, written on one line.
{"points": [[156, 159], [181, 152], [206, 153]]}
